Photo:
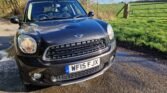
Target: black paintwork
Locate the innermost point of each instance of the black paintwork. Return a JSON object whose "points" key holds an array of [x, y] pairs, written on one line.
{"points": [[58, 32]]}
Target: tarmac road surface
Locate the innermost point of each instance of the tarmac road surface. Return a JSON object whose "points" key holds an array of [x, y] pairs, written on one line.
{"points": [[132, 72]]}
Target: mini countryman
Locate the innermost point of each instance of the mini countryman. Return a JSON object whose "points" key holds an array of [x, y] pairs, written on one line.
{"points": [[58, 43]]}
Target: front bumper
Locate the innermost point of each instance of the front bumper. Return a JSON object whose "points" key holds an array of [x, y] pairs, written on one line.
{"points": [[58, 71], [90, 77]]}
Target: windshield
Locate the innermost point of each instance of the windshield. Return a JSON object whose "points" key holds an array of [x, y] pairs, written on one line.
{"points": [[50, 10]]}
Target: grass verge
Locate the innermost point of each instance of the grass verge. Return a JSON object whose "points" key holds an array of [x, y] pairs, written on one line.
{"points": [[147, 33]]}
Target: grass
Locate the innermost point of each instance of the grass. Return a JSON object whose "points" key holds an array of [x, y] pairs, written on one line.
{"points": [[144, 30]]}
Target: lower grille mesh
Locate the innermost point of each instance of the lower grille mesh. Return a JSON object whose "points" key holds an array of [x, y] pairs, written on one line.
{"points": [[77, 75]]}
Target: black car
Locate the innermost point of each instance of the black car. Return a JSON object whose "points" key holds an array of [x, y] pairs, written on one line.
{"points": [[58, 43]]}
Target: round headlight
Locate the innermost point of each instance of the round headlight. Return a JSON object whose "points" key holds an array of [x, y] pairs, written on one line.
{"points": [[27, 44], [110, 31]]}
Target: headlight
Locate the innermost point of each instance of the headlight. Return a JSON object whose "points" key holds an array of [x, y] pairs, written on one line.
{"points": [[110, 32], [27, 44]]}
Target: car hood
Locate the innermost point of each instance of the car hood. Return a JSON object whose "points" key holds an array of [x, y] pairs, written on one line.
{"points": [[70, 30]]}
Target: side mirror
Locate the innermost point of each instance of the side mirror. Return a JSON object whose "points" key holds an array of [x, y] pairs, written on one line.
{"points": [[15, 20], [91, 14]]}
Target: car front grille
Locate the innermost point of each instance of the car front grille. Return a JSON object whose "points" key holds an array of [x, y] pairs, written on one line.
{"points": [[59, 52]]}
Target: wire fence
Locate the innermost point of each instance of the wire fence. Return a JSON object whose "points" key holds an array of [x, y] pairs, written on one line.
{"points": [[149, 9], [102, 11], [153, 8]]}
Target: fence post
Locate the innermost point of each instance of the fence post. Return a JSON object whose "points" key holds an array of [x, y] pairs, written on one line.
{"points": [[126, 10]]}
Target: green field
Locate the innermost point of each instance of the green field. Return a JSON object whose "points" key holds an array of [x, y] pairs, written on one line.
{"points": [[146, 26]]}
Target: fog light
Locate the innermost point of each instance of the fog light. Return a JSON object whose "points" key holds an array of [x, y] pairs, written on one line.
{"points": [[53, 79], [36, 76]]}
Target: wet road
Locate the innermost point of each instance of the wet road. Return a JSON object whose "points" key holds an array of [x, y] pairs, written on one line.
{"points": [[132, 72]]}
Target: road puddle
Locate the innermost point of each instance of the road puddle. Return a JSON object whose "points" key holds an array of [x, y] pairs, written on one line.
{"points": [[9, 74], [4, 56]]}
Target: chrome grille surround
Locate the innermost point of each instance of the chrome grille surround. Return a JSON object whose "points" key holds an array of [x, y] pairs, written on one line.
{"points": [[59, 52]]}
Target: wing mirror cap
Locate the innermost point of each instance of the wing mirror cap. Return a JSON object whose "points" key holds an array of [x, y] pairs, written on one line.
{"points": [[15, 20], [91, 14]]}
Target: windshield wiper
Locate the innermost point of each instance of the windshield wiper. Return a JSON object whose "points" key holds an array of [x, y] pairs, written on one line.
{"points": [[78, 16], [54, 18], [58, 18]]}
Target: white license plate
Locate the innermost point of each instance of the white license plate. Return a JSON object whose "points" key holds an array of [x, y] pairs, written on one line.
{"points": [[82, 66]]}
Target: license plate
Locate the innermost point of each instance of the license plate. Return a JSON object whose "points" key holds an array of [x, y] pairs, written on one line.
{"points": [[82, 66]]}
